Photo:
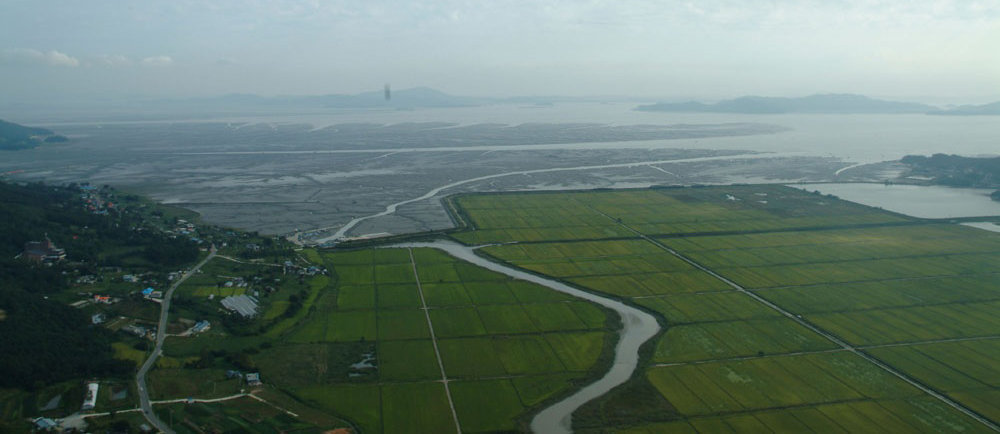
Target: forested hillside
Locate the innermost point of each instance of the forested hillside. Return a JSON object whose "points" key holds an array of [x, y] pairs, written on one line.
{"points": [[45, 341], [14, 136]]}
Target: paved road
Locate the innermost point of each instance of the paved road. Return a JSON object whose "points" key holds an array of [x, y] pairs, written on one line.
{"points": [[161, 335]]}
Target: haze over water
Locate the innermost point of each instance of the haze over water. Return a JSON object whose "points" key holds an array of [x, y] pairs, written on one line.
{"points": [[859, 138]]}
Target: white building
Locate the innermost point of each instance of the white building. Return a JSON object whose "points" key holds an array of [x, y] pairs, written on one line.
{"points": [[90, 400]]}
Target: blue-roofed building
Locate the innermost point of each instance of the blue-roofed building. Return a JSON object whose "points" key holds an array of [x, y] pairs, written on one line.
{"points": [[201, 326]]}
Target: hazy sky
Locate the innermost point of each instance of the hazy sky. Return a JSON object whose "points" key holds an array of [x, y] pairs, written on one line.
{"points": [[932, 51]]}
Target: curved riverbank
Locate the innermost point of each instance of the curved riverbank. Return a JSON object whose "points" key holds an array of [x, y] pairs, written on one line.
{"points": [[341, 232], [637, 328]]}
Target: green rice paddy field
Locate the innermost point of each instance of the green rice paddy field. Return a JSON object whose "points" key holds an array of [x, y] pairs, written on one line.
{"points": [[920, 296], [748, 281], [505, 346]]}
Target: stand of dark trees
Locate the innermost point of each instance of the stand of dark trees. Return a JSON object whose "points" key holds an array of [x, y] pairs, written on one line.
{"points": [[44, 342]]}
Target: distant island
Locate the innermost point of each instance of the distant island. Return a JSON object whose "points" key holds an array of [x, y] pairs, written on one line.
{"points": [[828, 103], [956, 171], [970, 110], [15, 137]]}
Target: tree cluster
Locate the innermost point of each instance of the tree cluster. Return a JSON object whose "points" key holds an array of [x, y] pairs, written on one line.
{"points": [[957, 171], [44, 342]]}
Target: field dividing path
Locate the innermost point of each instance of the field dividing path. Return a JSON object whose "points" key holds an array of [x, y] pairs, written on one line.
{"points": [[637, 328], [829, 336], [430, 326], [161, 335]]}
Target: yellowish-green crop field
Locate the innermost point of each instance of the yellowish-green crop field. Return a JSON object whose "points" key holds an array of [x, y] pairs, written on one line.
{"points": [[784, 310]]}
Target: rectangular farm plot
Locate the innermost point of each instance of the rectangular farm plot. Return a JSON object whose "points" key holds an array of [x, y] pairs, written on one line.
{"points": [[491, 292], [431, 256], [401, 296], [402, 324], [640, 285], [774, 382], [710, 306], [842, 244], [884, 294], [361, 402], [495, 356], [591, 315], [592, 257], [527, 354], [470, 358], [486, 406], [311, 331], [356, 297], [416, 407], [554, 316], [720, 340], [527, 292], [354, 274], [536, 216], [453, 322], [913, 324], [350, 326], [533, 389], [355, 257], [963, 370], [407, 360], [577, 351], [506, 319], [627, 268], [471, 273], [861, 270], [921, 415], [445, 294], [391, 256], [437, 273], [394, 273]]}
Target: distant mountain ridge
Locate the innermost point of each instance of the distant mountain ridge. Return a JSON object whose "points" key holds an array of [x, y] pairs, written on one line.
{"points": [[970, 110], [826, 103], [15, 136]]}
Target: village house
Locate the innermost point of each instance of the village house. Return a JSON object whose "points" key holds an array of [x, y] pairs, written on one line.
{"points": [[253, 379], [201, 326]]}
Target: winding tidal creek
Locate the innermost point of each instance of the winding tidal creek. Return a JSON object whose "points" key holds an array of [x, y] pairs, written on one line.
{"points": [[637, 328]]}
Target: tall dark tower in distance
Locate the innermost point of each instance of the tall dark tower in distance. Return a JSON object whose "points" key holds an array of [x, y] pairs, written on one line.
{"points": [[388, 92]]}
